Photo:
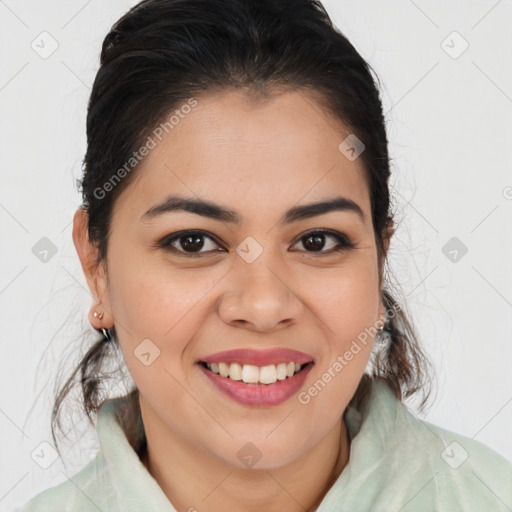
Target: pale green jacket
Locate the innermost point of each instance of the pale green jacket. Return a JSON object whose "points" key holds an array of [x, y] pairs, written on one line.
{"points": [[398, 463]]}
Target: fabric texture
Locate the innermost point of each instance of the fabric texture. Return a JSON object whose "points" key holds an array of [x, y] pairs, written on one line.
{"points": [[397, 463]]}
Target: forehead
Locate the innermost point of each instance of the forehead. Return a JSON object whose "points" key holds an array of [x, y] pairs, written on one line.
{"points": [[256, 155]]}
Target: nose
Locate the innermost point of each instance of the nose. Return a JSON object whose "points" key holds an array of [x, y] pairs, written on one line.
{"points": [[260, 299]]}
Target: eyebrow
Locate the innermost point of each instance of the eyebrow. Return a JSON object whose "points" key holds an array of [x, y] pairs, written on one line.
{"points": [[221, 213]]}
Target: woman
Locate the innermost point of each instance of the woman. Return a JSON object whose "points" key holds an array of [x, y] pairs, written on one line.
{"points": [[234, 230]]}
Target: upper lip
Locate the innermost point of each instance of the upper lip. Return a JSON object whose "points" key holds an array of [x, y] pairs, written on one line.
{"points": [[258, 357]]}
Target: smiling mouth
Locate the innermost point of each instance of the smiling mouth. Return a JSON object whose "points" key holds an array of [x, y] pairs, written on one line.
{"points": [[256, 375]]}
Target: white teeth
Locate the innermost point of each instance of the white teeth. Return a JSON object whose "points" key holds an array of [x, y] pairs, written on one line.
{"points": [[268, 374], [235, 371], [281, 371], [252, 374], [224, 369]]}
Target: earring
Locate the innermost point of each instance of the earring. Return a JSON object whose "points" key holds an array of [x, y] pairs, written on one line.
{"points": [[106, 335], [382, 333]]}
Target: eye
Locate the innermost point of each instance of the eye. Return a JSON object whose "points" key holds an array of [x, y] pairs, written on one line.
{"points": [[190, 242], [314, 241]]}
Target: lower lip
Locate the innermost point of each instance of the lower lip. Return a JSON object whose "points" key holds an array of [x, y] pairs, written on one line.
{"points": [[258, 394]]}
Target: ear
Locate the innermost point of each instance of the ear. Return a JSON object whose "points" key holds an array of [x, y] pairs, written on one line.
{"points": [[95, 273], [388, 233], [389, 230]]}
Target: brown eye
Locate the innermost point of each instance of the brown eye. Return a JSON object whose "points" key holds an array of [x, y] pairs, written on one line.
{"points": [[189, 242], [315, 241]]}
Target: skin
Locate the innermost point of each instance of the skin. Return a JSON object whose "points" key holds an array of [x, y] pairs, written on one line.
{"points": [[260, 159]]}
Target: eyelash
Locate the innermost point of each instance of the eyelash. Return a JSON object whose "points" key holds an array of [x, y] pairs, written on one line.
{"points": [[165, 243]]}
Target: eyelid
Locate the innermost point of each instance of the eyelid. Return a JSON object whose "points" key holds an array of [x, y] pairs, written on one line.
{"points": [[344, 242], [167, 240]]}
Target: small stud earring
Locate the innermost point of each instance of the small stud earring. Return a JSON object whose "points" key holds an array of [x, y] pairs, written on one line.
{"points": [[96, 315]]}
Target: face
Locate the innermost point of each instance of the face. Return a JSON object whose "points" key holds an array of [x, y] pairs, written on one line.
{"points": [[255, 279]]}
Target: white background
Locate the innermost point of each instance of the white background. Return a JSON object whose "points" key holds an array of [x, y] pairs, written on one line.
{"points": [[449, 125]]}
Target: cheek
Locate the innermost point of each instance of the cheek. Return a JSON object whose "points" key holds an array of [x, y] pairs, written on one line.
{"points": [[348, 307], [153, 301], [148, 295], [158, 312], [347, 300]]}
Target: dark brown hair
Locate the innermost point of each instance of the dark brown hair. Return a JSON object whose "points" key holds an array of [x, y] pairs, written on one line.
{"points": [[160, 54]]}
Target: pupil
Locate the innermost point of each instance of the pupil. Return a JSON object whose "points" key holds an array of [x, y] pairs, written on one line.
{"points": [[318, 242], [195, 244]]}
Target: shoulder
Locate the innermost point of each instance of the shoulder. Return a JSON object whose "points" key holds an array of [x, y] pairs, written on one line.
{"points": [[451, 469], [464, 461], [444, 467], [88, 490], [400, 462]]}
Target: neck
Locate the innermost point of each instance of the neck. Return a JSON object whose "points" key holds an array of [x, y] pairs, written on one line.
{"points": [[193, 478]]}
